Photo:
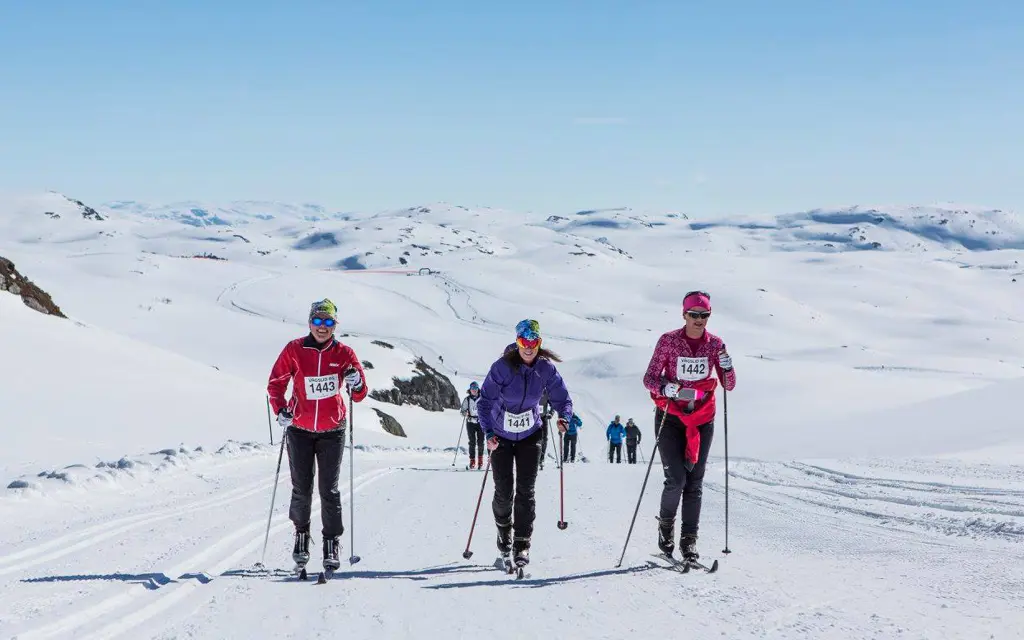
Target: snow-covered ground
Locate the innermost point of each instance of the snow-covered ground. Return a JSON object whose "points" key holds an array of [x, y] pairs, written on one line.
{"points": [[876, 484]]}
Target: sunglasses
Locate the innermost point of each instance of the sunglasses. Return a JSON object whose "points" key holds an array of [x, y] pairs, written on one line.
{"points": [[327, 322], [699, 315], [527, 343]]}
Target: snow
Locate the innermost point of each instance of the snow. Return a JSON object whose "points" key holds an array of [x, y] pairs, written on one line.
{"points": [[876, 484]]}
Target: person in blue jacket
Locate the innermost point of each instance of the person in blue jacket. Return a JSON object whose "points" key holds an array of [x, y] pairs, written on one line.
{"points": [[571, 435], [616, 433], [510, 419]]}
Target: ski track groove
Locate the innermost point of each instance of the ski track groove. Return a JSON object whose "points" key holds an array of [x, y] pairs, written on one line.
{"points": [[100, 532], [179, 588]]}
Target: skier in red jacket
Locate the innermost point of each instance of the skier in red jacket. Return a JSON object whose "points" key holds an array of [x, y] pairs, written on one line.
{"points": [[679, 381], [317, 365]]}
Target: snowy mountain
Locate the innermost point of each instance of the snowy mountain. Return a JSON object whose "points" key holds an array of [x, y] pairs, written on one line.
{"points": [[872, 435]]}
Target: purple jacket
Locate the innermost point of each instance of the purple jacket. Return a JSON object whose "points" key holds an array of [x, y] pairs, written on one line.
{"points": [[505, 391]]}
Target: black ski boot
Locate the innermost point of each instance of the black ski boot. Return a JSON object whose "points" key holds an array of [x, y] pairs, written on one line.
{"points": [[521, 551], [331, 549], [504, 538], [300, 552], [688, 547], [666, 533]]}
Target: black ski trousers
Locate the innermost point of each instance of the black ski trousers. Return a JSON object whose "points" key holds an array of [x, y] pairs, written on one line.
{"points": [[631, 451], [615, 450], [325, 449], [524, 455], [569, 447], [476, 438], [679, 481]]}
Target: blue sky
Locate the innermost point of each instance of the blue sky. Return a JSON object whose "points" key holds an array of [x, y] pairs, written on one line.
{"points": [[710, 107]]}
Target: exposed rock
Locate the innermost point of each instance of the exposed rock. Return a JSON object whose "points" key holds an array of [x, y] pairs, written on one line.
{"points": [[381, 343], [367, 364], [427, 389], [389, 424], [34, 297]]}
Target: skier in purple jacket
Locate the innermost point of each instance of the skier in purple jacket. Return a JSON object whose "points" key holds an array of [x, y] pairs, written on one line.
{"points": [[510, 419]]}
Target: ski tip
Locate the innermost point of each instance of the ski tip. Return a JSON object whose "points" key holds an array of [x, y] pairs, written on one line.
{"points": [[321, 579], [714, 567]]}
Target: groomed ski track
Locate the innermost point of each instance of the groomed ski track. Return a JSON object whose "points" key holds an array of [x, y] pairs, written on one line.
{"points": [[173, 559]]}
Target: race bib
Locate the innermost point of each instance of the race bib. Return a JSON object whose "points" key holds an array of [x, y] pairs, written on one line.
{"points": [[320, 387], [691, 369], [518, 422]]}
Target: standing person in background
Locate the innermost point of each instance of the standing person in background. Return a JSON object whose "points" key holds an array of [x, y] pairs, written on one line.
{"points": [[679, 380], [571, 434], [319, 368], [632, 440], [510, 417], [473, 431], [615, 434]]}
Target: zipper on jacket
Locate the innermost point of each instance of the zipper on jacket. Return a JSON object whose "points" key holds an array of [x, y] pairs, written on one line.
{"points": [[316, 410]]}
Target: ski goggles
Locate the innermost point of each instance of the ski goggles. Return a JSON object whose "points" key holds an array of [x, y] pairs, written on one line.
{"points": [[699, 315], [317, 321], [528, 343]]}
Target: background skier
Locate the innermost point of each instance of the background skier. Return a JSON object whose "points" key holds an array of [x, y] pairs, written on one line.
{"points": [[632, 440], [473, 431], [615, 434]]}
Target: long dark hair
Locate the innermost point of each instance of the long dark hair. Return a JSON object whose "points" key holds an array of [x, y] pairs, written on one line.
{"points": [[512, 357]]}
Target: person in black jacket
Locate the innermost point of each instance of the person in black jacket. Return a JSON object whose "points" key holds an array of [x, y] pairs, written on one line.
{"points": [[632, 440]]}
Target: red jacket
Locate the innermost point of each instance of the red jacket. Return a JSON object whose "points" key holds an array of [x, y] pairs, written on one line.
{"points": [[674, 361], [317, 376]]}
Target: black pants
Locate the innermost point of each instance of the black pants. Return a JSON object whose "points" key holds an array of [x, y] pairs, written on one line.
{"points": [[476, 439], [680, 481], [569, 446], [631, 451], [616, 450], [525, 455], [325, 448]]}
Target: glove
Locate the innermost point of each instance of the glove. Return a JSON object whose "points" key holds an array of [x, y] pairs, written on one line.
{"points": [[465, 414], [670, 390], [284, 418], [353, 380], [492, 443], [563, 425], [724, 360]]}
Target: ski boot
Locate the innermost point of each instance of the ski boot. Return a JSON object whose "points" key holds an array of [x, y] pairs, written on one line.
{"points": [[521, 551], [300, 553], [332, 547], [504, 538], [472, 463], [666, 527], [688, 547], [480, 462]]}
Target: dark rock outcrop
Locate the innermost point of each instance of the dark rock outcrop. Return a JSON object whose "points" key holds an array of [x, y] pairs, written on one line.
{"points": [[427, 388], [389, 424], [34, 297]]}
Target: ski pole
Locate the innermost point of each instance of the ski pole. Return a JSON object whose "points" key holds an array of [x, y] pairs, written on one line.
{"points": [[467, 554], [273, 496], [661, 428], [351, 485], [461, 429], [562, 524], [725, 413], [641, 452], [270, 425]]}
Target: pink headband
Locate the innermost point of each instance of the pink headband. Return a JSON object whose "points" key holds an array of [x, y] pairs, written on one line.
{"points": [[696, 300]]}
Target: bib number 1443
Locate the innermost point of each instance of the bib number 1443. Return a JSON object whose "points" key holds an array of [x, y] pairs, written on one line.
{"points": [[320, 387]]}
